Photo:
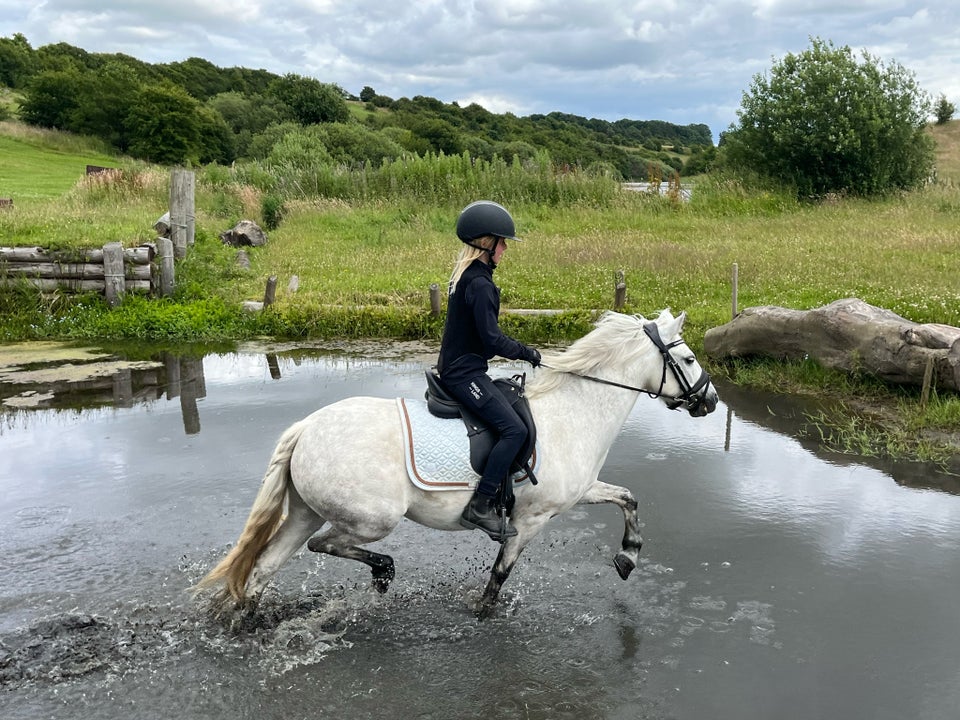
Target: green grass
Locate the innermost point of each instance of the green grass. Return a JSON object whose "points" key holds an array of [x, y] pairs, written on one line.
{"points": [[365, 264], [40, 165]]}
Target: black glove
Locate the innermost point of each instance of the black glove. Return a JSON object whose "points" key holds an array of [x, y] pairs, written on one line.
{"points": [[532, 356]]}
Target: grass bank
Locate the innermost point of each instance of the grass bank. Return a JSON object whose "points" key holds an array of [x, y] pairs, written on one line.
{"points": [[366, 260]]}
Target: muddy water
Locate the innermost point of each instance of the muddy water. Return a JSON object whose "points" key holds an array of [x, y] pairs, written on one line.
{"points": [[775, 582]]}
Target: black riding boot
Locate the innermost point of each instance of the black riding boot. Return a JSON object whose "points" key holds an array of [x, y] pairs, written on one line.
{"points": [[481, 514]]}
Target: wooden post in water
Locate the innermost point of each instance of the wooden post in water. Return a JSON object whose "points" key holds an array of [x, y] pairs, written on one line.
{"points": [[735, 279], [114, 283], [270, 293], [434, 300], [620, 291], [167, 273]]}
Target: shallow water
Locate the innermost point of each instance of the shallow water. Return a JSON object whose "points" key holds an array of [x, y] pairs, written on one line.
{"points": [[774, 582]]}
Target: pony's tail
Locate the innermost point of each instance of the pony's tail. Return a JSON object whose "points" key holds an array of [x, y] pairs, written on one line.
{"points": [[233, 571]]}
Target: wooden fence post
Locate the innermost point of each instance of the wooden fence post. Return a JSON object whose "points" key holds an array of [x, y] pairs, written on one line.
{"points": [[114, 283], [189, 210], [434, 299], [620, 291], [167, 273], [270, 294], [927, 381], [736, 282], [180, 188]]}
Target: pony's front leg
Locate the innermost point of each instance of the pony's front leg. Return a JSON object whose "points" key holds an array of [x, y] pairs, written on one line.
{"points": [[509, 552], [600, 492], [527, 529]]}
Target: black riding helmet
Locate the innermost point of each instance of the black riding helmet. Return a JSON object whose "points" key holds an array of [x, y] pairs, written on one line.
{"points": [[482, 218]]}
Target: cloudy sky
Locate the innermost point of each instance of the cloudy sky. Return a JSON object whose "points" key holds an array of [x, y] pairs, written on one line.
{"points": [[684, 61]]}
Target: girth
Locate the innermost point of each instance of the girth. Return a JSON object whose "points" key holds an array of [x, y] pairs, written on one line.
{"points": [[483, 437]]}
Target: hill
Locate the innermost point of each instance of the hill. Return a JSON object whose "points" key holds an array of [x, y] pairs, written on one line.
{"points": [[194, 111], [947, 137]]}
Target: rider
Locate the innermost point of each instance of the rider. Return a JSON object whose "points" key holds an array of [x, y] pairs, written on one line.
{"points": [[471, 336]]}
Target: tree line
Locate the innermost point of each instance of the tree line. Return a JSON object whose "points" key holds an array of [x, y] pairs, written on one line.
{"points": [[195, 112]]}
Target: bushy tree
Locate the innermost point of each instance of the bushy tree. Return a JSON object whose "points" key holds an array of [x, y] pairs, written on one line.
{"points": [[944, 110], [825, 121], [164, 125], [17, 61], [310, 101], [104, 100], [50, 98]]}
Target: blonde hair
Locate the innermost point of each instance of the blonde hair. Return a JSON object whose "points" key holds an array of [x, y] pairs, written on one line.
{"points": [[469, 253]]}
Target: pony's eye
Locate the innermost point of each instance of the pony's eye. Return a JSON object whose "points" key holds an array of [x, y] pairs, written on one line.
{"points": [[690, 360]]}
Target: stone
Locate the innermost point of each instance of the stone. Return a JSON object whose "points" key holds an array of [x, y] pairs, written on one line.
{"points": [[245, 233]]}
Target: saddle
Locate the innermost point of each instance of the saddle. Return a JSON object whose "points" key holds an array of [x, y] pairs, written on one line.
{"points": [[483, 437]]}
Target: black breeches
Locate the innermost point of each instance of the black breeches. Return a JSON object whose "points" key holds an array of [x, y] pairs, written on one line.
{"points": [[481, 397]]}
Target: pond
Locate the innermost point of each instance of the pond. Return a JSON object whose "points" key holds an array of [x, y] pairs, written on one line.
{"points": [[775, 580]]}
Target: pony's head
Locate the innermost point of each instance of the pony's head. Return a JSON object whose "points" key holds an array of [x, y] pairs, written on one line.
{"points": [[683, 382], [637, 354]]}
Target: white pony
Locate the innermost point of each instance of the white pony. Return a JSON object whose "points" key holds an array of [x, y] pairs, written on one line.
{"points": [[343, 466]]}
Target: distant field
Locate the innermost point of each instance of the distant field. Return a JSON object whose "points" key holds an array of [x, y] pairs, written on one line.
{"points": [[31, 170], [948, 150]]}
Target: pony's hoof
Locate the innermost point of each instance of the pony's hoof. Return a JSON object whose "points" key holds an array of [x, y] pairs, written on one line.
{"points": [[382, 577], [624, 565]]}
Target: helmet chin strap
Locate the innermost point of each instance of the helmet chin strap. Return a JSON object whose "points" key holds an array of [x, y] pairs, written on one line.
{"points": [[488, 251]]}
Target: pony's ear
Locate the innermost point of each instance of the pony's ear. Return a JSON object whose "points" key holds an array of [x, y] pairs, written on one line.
{"points": [[676, 323]]}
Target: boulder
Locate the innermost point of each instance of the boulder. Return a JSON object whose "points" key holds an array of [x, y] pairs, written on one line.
{"points": [[848, 335], [244, 233]]}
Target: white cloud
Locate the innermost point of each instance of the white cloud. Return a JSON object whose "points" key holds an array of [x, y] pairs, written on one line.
{"points": [[675, 60]]}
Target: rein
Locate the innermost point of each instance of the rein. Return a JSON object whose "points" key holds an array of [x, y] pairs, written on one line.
{"points": [[689, 392]]}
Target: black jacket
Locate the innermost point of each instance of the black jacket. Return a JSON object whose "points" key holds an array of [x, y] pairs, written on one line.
{"points": [[472, 335]]}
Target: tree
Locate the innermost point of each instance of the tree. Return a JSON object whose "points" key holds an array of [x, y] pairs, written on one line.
{"points": [[104, 99], [311, 101], [50, 97], [164, 125], [944, 110], [17, 61], [824, 121], [367, 94]]}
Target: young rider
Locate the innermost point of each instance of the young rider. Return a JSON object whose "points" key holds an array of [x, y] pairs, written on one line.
{"points": [[471, 337]]}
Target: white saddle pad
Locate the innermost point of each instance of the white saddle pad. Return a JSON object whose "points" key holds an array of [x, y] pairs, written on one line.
{"points": [[437, 450]]}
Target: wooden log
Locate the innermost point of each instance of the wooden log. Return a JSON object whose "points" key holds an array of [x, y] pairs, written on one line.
{"points": [[178, 212], [80, 271], [141, 255], [735, 291], [847, 335], [113, 273], [80, 286], [270, 293], [167, 272], [620, 291]]}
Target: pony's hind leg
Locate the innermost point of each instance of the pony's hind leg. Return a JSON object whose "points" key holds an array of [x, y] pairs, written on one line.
{"points": [[300, 523], [334, 542], [600, 492]]}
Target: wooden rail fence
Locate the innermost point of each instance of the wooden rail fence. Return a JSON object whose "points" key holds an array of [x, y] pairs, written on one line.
{"points": [[112, 269]]}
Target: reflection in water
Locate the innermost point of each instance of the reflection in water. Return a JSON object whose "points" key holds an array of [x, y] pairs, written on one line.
{"points": [[775, 582], [790, 416]]}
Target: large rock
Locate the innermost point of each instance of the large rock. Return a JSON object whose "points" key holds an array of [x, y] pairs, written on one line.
{"points": [[848, 335], [244, 233]]}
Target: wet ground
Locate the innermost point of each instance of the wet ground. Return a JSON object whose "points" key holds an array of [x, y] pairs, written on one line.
{"points": [[775, 581]]}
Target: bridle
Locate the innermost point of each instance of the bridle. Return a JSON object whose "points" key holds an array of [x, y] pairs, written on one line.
{"points": [[690, 395]]}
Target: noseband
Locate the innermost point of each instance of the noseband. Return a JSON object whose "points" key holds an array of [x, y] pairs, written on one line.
{"points": [[689, 393]]}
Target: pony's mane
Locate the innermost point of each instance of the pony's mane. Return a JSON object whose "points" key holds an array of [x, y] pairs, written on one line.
{"points": [[615, 339]]}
